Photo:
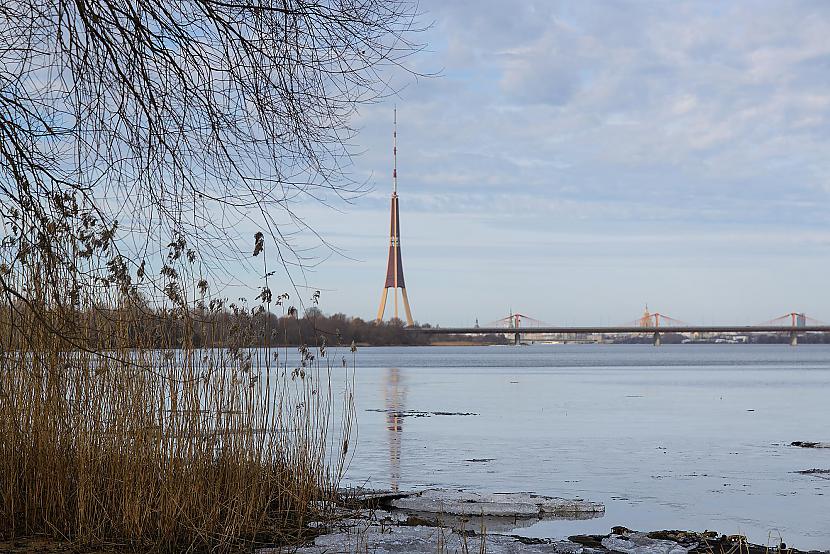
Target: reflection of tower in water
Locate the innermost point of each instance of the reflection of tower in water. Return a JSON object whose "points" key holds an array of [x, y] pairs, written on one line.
{"points": [[395, 395]]}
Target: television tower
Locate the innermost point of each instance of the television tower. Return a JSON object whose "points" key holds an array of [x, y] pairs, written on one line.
{"points": [[394, 266]]}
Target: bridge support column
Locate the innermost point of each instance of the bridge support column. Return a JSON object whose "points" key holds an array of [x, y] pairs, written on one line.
{"points": [[793, 338], [517, 339], [656, 339]]}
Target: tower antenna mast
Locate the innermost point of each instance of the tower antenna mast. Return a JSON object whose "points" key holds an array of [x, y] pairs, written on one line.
{"points": [[395, 150]]}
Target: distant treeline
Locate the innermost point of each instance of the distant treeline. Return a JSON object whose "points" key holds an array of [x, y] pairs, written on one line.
{"points": [[258, 328], [218, 324], [341, 329], [228, 325]]}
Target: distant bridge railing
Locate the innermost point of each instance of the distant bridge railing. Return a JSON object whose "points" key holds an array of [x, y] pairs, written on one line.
{"points": [[620, 329]]}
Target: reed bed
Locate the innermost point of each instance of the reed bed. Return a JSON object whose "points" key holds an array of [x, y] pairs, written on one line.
{"points": [[108, 443]]}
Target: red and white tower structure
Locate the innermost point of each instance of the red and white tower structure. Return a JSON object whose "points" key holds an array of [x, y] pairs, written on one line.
{"points": [[394, 265]]}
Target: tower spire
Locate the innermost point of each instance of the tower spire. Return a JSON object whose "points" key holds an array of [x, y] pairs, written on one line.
{"points": [[394, 265], [395, 150]]}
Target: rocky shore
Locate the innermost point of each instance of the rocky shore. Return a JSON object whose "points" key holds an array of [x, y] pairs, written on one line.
{"points": [[440, 520]]}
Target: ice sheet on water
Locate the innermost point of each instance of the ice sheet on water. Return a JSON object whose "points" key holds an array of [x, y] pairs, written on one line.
{"points": [[522, 504], [425, 540]]}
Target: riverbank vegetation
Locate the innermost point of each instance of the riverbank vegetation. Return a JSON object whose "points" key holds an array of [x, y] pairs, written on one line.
{"points": [[152, 153], [219, 325], [111, 438]]}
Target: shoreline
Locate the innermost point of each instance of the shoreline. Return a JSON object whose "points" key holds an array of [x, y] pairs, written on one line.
{"points": [[455, 521]]}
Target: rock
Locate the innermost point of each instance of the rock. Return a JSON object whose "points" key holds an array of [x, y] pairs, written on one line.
{"points": [[593, 542], [683, 537], [380, 536], [641, 543], [359, 497], [440, 501]]}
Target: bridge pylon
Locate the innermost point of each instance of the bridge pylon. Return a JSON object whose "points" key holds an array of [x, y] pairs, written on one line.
{"points": [[653, 320], [796, 321], [514, 323]]}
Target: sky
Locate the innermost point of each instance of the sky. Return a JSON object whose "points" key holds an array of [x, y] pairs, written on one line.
{"points": [[574, 161]]}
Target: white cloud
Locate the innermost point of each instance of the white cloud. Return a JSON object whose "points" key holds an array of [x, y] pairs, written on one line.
{"points": [[650, 132]]}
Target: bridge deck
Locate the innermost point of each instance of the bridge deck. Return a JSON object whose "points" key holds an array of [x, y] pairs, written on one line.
{"points": [[617, 329]]}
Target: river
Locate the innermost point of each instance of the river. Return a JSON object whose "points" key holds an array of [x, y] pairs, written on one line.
{"points": [[677, 437]]}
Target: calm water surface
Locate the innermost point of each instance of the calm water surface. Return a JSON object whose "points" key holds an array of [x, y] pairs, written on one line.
{"points": [[681, 436]]}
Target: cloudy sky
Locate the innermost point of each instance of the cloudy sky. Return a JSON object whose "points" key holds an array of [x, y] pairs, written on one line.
{"points": [[577, 160]]}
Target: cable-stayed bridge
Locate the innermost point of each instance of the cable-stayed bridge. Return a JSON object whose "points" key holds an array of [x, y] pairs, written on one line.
{"points": [[655, 324]]}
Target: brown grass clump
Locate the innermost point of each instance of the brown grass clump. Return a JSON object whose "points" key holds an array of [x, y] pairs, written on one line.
{"points": [[106, 442]]}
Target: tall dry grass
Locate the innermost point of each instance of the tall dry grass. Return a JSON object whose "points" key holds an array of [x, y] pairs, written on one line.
{"points": [[107, 442]]}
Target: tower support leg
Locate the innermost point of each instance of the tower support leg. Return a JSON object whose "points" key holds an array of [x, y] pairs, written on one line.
{"points": [[409, 320], [656, 339], [382, 309], [793, 338]]}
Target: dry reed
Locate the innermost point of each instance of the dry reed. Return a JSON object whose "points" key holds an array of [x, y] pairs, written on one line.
{"points": [[107, 442]]}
